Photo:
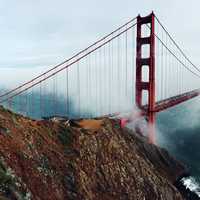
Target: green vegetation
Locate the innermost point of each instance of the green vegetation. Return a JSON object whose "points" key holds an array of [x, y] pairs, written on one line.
{"points": [[65, 136], [9, 184]]}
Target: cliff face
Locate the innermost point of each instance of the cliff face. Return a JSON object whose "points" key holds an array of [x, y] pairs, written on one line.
{"points": [[86, 160]]}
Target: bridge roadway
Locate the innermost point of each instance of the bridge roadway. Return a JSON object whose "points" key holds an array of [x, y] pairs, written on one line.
{"points": [[161, 105], [175, 100]]}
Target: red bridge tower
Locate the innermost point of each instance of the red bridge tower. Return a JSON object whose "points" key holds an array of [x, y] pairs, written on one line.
{"points": [[150, 62]]}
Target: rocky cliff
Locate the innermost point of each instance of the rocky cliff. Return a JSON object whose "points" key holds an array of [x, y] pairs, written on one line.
{"points": [[81, 160]]}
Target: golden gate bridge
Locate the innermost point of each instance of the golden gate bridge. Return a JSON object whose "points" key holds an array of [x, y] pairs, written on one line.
{"points": [[138, 64]]}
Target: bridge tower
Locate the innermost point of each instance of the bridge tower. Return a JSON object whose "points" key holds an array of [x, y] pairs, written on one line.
{"points": [[149, 85]]}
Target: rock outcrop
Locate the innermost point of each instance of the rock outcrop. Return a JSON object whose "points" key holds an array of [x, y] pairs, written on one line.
{"points": [[82, 160]]}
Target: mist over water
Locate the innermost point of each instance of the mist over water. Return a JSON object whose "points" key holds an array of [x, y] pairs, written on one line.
{"points": [[179, 133]]}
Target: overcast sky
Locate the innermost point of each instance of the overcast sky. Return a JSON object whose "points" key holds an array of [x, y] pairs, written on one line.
{"points": [[37, 33]]}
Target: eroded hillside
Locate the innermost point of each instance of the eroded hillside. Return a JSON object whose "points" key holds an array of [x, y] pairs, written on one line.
{"points": [[81, 160]]}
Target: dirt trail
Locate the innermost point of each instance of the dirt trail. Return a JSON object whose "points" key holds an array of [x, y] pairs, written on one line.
{"points": [[90, 124]]}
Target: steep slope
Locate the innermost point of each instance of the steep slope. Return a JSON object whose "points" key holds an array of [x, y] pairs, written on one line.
{"points": [[86, 160]]}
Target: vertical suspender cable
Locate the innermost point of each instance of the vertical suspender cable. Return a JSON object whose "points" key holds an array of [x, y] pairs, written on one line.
{"points": [[126, 65], [96, 91], [100, 81], [118, 75], [162, 69], [67, 93], [109, 77], [78, 89], [40, 100], [90, 87]]}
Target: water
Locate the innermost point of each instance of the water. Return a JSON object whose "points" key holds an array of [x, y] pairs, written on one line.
{"points": [[179, 133], [191, 184]]}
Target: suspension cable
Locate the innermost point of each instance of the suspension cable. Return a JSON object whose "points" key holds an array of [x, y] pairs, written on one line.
{"points": [[68, 65], [74, 56], [173, 54], [178, 47]]}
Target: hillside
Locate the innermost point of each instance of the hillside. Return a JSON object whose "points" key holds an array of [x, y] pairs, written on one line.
{"points": [[82, 160]]}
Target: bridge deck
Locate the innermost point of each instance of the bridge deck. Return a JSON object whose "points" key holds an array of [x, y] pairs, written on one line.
{"points": [[173, 101]]}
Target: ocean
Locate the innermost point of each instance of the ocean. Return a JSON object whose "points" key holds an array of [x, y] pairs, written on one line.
{"points": [[178, 131]]}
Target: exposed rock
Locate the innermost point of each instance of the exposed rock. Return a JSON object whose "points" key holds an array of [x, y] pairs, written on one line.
{"points": [[83, 160]]}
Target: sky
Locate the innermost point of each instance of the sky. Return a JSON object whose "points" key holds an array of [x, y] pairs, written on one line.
{"points": [[42, 33]]}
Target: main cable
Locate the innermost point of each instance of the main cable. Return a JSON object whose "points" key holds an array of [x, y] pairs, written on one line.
{"points": [[175, 43]]}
